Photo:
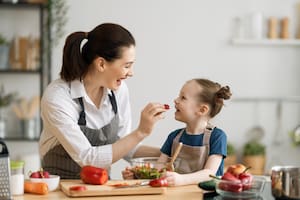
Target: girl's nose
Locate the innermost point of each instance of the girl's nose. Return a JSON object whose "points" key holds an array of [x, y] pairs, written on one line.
{"points": [[175, 100]]}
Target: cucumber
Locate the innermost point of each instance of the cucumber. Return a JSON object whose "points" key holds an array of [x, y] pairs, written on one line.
{"points": [[207, 185]]}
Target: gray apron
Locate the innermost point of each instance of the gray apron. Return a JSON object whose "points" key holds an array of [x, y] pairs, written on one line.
{"points": [[191, 158], [58, 161]]}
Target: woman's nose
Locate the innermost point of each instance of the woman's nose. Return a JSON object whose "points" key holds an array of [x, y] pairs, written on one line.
{"points": [[130, 73]]}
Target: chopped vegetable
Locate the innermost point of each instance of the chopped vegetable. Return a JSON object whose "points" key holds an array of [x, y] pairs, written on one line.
{"points": [[78, 188], [35, 187], [147, 172], [159, 182]]}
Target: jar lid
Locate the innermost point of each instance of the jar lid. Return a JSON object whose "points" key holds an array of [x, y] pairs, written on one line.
{"points": [[16, 164]]}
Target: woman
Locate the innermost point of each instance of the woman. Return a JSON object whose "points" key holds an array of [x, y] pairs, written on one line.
{"points": [[86, 113]]}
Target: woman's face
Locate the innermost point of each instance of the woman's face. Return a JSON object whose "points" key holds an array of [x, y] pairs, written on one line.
{"points": [[120, 69], [186, 104]]}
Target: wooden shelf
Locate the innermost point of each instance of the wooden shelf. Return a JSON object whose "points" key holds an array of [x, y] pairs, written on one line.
{"points": [[20, 139], [267, 42], [19, 71]]}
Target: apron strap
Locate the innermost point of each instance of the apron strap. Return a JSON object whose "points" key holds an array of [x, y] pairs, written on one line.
{"points": [[113, 102], [82, 121]]}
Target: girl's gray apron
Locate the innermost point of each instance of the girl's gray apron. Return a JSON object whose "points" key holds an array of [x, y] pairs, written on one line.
{"points": [[57, 160], [191, 158]]}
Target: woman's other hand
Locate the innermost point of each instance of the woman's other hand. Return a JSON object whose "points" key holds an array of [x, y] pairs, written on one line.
{"points": [[127, 174], [149, 116]]}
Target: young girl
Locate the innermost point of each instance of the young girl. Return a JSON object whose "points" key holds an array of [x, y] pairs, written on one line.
{"points": [[204, 146]]}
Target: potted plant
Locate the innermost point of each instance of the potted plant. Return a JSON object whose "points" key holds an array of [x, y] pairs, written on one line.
{"points": [[254, 156], [5, 100], [231, 158], [4, 52]]}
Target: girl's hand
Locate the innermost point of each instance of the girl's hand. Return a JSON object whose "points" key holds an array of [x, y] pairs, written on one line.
{"points": [[149, 116], [174, 179], [127, 174]]}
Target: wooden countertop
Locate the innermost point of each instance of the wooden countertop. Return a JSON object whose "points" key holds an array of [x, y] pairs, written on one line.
{"points": [[172, 193]]}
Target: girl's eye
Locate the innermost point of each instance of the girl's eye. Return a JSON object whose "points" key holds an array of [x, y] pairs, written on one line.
{"points": [[182, 97]]}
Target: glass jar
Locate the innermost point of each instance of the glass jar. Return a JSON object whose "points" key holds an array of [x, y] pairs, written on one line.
{"points": [[17, 177]]}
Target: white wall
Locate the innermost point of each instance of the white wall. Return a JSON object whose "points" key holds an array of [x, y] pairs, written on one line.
{"points": [[179, 40]]}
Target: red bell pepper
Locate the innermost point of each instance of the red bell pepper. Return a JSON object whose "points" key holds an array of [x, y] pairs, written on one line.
{"points": [[159, 182], [231, 183], [93, 175], [246, 179]]}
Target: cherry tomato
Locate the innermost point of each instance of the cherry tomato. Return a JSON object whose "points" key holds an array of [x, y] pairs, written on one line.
{"points": [[35, 175], [159, 182], [167, 106], [78, 188]]}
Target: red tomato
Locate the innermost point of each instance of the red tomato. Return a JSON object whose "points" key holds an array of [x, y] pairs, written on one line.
{"points": [[78, 188], [93, 175], [159, 182], [167, 106], [35, 175], [45, 174]]}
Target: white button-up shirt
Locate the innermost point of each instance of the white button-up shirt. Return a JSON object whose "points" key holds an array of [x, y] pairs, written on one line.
{"points": [[60, 113]]}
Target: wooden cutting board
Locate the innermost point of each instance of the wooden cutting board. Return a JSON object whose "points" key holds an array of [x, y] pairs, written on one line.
{"points": [[108, 189]]}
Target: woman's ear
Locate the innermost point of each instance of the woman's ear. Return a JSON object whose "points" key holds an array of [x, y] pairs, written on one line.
{"points": [[99, 62]]}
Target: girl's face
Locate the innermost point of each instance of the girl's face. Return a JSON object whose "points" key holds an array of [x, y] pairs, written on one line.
{"points": [[119, 69], [186, 104]]}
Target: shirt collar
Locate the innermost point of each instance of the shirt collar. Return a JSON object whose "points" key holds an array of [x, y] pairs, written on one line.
{"points": [[77, 90]]}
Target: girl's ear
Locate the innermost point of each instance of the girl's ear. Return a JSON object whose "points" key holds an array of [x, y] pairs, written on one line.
{"points": [[203, 109]]}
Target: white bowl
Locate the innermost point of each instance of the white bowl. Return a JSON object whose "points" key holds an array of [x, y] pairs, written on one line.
{"points": [[52, 181]]}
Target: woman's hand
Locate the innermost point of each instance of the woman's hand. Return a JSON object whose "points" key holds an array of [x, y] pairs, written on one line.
{"points": [[127, 174], [149, 116], [174, 179]]}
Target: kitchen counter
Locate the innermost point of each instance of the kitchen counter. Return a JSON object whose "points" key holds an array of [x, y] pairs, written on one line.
{"points": [[173, 193], [189, 192]]}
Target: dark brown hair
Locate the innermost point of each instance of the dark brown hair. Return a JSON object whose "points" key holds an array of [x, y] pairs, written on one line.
{"points": [[106, 40], [213, 94]]}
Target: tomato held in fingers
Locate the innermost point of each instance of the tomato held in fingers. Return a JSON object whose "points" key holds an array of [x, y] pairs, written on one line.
{"points": [[159, 182], [93, 175]]}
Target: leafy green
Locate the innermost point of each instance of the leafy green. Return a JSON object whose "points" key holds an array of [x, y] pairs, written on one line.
{"points": [[254, 148], [3, 40], [6, 99], [230, 149], [145, 172]]}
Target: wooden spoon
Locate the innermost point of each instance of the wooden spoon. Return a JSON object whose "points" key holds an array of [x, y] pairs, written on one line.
{"points": [[175, 155]]}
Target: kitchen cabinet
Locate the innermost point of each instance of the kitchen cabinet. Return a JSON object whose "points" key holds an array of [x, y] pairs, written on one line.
{"points": [[30, 80]]}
